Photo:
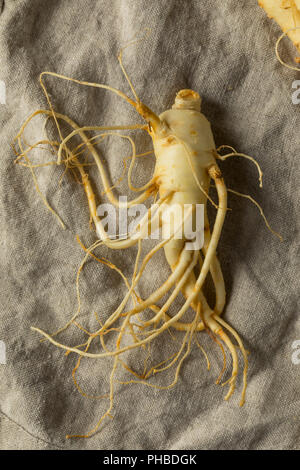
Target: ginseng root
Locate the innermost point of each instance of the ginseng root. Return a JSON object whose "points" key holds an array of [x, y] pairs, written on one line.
{"points": [[186, 166]]}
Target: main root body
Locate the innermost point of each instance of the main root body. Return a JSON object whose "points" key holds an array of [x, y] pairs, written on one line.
{"points": [[132, 327]]}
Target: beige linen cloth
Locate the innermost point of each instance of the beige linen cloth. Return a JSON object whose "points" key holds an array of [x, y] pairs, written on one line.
{"points": [[225, 51]]}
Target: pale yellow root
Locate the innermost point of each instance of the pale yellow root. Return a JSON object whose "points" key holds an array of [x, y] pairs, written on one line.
{"points": [[145, 374], [143, 229], [80, 82], [157, 368], [153, 298], [117, 360], [134, 40], [216, 329], [185, 340], [112, 375], [112, 266], [160, 292], [111, 393], [162, 312], [97, 397], [94, 153], [219, 344], [215, 271], [166, 286], [92, 150], [187, 152], [204, 353], [288, 66], [177, 290], [216, 175], [240, 343], [210, 320], [37, 186]]}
